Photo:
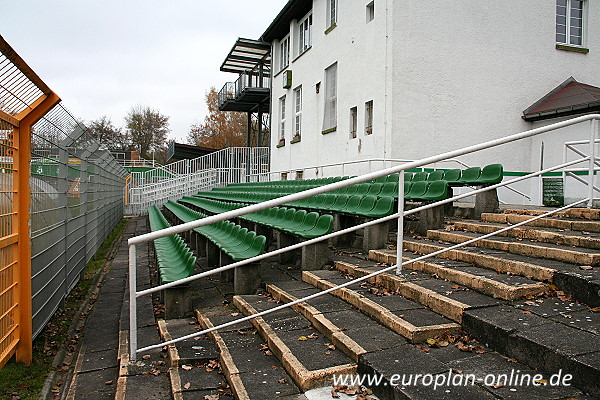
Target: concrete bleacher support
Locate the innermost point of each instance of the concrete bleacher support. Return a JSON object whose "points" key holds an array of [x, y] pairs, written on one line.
{"points": [[486, 202], [212, 254], [226, 276], [266, 231], [432, 218], [178, 302], [375, 236], [246, 279], [284, 240], [315, 256]]}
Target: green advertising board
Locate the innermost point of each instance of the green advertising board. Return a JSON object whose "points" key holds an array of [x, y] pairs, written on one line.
{"points": [[553, 192]]}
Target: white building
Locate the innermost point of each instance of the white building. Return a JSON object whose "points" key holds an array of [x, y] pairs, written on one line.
{"points": [[382, 79]]}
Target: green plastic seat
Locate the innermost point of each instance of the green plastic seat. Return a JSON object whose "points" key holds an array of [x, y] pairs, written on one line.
{"points": [[389, 189], [383, 207], [367, 204], [340, 202], [408, 176], [491, 174], [362, 189], [309, 223], [470, 176], [436, 175], [419, 176], [375, 189], [452, 175], [323, 226], [437, 190], [352, 204], [417, 190]]}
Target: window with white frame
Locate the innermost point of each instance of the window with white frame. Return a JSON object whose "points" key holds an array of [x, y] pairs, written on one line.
{"points": [[569, 21], [305, 34], [282, 118], [369, 117], [353, 122], [371, 11], [330, 114], [332, 11], [284, 53], [298, 109]]}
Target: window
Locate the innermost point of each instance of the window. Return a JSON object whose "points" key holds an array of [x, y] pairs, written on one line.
{"points": [[299, 175], [370, 11], [332, 12], [330, 115], [569, 22], [353, 122], [369, 117], [305, 34], [282, 118], [284, 53], [298, 109]]}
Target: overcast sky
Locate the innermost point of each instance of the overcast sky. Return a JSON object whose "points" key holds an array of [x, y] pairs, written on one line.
{"points": [[103, 57]]}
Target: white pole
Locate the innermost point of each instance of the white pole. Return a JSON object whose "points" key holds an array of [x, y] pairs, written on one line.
{"points": [[400, 233], [592, 161], [132, 304]]}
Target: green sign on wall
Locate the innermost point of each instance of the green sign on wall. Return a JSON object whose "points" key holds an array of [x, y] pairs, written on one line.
{"points": [[553, 192]]}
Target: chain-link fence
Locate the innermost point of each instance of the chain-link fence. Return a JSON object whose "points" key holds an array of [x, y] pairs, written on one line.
{"points": [[76, 201]]}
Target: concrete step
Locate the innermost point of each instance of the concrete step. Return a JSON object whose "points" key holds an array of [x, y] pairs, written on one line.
{"points": [[249, 366], [401, 309], [548, 334], [557, 223], [391, 358], [548, 235], [303, 351], [483, 280], [195, 370], [523, 247], [578, 213], [583, 284]]}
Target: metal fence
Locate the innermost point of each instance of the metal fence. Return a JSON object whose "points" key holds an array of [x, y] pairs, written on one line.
{"points": [[186, 177], [76, 201], [60, 197]]}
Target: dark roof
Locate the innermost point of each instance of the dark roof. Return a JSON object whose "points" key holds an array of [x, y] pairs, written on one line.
{"points": [[180, 151], [569, 98], [245, 55], [293, 9]]}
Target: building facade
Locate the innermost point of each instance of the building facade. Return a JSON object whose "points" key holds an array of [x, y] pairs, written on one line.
{"points": [[379, 80]]}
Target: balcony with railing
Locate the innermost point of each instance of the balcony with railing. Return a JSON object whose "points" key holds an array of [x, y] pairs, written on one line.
{"points": [[251, 91]]}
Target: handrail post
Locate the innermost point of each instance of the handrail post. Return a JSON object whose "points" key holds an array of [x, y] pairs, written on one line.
{"points": [[592, 162], [132, 303], [400, 233]]}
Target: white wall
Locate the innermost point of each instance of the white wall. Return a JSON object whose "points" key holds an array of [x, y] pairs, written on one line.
{"points": [[359, 48], [443, 75], [464, 72]]}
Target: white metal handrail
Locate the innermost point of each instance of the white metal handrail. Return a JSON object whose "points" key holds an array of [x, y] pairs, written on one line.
{"points": [[400, 215]]}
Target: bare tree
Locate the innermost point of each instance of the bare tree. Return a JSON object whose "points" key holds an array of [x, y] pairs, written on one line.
{"points": [[148, 129], [107, 135]]}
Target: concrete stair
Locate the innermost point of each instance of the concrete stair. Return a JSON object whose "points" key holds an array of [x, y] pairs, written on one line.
{"points": [[520, 303]]}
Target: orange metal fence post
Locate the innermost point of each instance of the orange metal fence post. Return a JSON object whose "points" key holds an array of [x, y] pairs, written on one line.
{"points": [[26, 120]]}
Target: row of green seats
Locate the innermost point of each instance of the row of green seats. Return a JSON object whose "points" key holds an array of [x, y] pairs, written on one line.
{"points": [[363, 205], [474, 176], [297, 222], [175, 259], [235, 241]]}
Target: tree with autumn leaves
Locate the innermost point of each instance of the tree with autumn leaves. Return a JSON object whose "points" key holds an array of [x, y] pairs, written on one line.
{"points": [[220, 129]]}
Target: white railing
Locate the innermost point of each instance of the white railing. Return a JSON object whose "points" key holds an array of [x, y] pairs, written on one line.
{"points": [[133, 242], [139, 163], [157, 186]]}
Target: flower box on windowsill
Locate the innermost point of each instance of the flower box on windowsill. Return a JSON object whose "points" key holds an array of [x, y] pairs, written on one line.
{"points": [[326, 131], [295, 139], [281, 143]]}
